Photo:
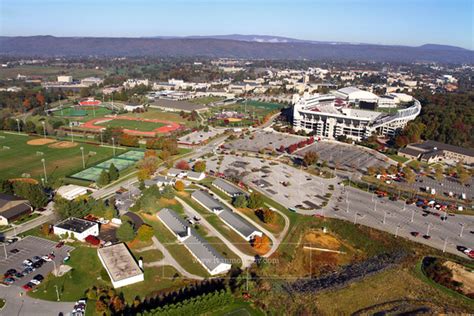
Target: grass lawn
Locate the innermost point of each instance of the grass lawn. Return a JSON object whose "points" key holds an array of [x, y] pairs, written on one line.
{"points": [[386, 286], [86, 272], [148, 255], [69, 112], [2, 303], [51, 72], [238, 308], [132, 125], [26, 218], [177, 250], [162, 115], [398, 158], [206, 100], [23, 158]]}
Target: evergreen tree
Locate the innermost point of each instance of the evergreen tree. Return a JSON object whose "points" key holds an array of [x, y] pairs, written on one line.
{"points": [[103, 179], [113, 172]]}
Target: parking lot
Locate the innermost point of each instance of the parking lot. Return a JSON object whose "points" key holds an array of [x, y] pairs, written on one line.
{"points": [[28, 248], [346, 156], [285, 184], [448, 184], [261, 140]]}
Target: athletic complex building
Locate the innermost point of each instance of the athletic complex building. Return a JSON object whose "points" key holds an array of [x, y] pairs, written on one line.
{"points": [[330, 116]]}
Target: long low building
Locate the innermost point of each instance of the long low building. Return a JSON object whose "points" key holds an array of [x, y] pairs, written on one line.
{"points": [[204, 253], [120, 265], [227, 188], [12, 208], [232, 219], [328, 116]]}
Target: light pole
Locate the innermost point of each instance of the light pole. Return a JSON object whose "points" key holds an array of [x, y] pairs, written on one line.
{"points": [[72, 135], [462, 229], [428, 229], [396, 230], [44, 128], [412, 215], [101, 139], [113, 145], [83, 161], [57, 292], [42, 180], [445, 244], [385, 216], [44, 169], [375, 206], [18, 125], [5, 249]]}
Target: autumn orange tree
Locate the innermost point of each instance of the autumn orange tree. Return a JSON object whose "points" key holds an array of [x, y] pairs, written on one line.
{"points": [[179, 185], [183, 165], [260, 242]]}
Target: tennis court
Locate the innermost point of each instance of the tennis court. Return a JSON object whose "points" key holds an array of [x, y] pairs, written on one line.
{"points": [[132, 155], [120, 164], [89, 174]]}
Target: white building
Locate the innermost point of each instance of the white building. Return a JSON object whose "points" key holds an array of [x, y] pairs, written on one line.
{"points": [[355, 95], [132, 83], [65, 79], [120, 265], [387, 101], [326, 117], [72, 191], [90, 81], [132, 107], [79, 228]]}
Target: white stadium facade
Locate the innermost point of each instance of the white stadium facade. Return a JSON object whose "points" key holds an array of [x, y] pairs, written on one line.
{"points": [[338, 114]]}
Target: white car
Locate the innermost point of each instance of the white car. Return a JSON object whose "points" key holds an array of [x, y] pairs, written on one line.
{"points": [[27, 262], [35, 282], [46, 258]]}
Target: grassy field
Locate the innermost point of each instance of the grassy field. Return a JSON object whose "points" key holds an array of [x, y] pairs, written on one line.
{"points": [[70, 112], [162, 115], [132, 125], [206, 100], [23, 158], [398, 158], [48, 71]]}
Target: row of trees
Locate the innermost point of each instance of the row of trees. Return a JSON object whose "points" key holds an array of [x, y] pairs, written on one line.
{"points": [[254, 201], [83, 206], [293, 147], [128, 232], [106, 177], [35, 193]]}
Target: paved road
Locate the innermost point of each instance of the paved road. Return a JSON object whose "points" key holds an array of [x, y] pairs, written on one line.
{"points": [[400, 219], [246, 260], [169, 260], [47, 216], [18, 304]]}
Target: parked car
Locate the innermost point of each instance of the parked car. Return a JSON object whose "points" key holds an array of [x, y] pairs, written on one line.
{"points": [[415, 234], [60, 244], [14, 251], [9, 280], [10, 272]]}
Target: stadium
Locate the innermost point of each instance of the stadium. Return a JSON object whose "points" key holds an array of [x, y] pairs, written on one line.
{"points": [[330, 116]]}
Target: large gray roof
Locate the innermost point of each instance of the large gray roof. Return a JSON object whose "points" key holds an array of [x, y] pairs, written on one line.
{"points": [[231, 218], [195, 243], [227, 187]]}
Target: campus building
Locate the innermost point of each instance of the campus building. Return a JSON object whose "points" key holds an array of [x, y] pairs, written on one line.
{"points": [[120, 265], [79, 228], [12, 208], [204, 253], [328, 116], [431, 151]]}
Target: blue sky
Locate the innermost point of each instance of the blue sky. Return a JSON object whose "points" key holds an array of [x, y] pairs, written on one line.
{"points": [[404, 22]]}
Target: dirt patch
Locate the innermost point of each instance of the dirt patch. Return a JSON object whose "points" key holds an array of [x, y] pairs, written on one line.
{"points": [[40, 141], [26, 180], [462, 275], [63, 144], [322, 240]]}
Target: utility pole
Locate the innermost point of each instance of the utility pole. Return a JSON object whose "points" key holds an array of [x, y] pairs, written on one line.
{"points": [[445, 244], [44, 169], [462, 229], [72, 135], [83, 161], [412, 215], [18, 125], [396, 230], [44, 128], [113, 145]]}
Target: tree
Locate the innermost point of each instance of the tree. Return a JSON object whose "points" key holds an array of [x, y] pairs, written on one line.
{"points": [[183, 165], [200, 166], [415, 164], [266, 215], [260, 242], [30, 127], [179, 185], [113, 172], [103, 179], [409, 175], [438, 173], [167, 192], [464, 177], [145, 232], [164, 155], [240, 201], [392, 169], [310, 158], [128, 140], [255, 200], [125, 232], [147, 167]]}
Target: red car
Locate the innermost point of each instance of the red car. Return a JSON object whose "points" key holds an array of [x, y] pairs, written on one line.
{"points": [[415, 234], [60, 244]]}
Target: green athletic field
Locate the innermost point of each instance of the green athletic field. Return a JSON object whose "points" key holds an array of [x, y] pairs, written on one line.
{"points": [[17, 157], [88, 112], [132, 125]]}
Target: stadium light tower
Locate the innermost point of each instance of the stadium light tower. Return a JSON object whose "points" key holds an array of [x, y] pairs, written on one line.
{"points": [[83, 161], [18, 125], [44, 128], [72, 135], [113, 144], [44, 169]]}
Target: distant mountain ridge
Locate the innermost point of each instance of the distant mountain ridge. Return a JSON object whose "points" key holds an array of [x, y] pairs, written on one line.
{"points": [[231, 46]]}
